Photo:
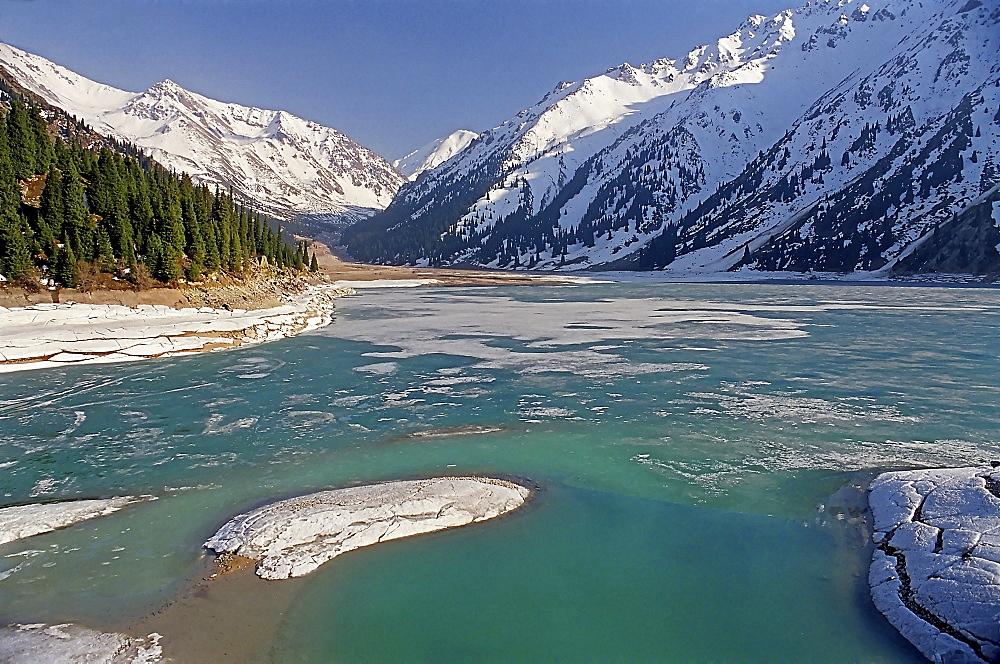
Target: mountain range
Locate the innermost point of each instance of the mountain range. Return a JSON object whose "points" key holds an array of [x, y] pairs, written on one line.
{"points": [[281, 164], [839, 136]]}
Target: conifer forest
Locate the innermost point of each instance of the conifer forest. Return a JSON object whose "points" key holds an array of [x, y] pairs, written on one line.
{"points": [[67, 212]]}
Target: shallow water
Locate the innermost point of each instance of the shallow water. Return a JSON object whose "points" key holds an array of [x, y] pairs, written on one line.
{"points": [[686, 440]]}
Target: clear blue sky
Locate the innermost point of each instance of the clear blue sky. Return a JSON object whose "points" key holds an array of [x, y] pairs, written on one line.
{"points": [[391, 74]]}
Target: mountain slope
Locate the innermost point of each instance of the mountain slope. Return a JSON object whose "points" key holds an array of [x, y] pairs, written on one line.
{"points": [[434, 153], [788, 144], [283, 164]]}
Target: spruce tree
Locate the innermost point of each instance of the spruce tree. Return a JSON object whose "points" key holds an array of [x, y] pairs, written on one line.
{"points": [[15, 259], [64, 270]]}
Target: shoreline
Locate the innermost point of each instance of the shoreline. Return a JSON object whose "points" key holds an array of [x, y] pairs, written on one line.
{"points": [[63, 327], [59, 335]]}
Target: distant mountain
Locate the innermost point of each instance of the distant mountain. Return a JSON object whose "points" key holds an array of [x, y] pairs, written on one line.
{"points": [[829, 137], [280, 163], [435, 153]]}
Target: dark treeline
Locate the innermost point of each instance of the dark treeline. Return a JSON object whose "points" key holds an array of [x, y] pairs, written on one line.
{"points": [[66, 211]]}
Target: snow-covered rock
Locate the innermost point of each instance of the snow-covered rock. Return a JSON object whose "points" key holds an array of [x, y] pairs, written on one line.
{"points": [[283, 164], [293, 537], [935, 573], [72, 644], [26, 520], [435, 153]]}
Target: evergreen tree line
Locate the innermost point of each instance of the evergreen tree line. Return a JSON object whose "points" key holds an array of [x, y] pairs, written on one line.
{"points": [[65, 209]]}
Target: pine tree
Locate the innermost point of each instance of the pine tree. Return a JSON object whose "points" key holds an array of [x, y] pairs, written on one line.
{"points": [[313, 265]]}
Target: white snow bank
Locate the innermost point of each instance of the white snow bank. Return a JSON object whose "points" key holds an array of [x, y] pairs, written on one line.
{"points": [[54, 335], [27, 520], [293, 537], [72, 644], [385, 283], [935, 573]]}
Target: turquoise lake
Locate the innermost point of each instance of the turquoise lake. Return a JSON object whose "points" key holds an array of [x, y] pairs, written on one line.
{"points": [[697, 452]]}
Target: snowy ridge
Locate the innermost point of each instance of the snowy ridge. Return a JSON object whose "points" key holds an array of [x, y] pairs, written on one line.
{"points": [[283, 164], [434, 153], [727, 158]]}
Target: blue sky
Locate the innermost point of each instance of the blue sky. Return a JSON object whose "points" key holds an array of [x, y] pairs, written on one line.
{"points": [[391, 74]]}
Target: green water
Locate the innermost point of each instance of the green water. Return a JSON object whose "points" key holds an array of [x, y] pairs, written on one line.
{"points": [[685, 440]]}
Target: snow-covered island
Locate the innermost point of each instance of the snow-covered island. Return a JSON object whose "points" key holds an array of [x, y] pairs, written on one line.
{"points": [[23, 521], [51, 335], [293, 537], [935, 573]]}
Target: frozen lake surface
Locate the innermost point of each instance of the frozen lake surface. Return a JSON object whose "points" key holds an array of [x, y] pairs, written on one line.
{"points": [[695, 452]]}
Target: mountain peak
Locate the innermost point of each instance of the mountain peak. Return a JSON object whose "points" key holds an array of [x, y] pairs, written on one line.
{"points": [[166, 85], [278, 163], [435, 153]]}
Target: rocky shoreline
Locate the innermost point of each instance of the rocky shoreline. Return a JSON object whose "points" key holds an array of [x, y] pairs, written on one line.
{"points": [[34, 643], [260, 290]]}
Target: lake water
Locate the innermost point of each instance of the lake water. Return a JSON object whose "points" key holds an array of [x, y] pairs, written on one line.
{"points": [[694, 449]]}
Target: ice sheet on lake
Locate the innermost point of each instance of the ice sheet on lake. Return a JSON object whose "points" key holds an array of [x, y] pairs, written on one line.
{"points": [[554, 335], [52, 335], [384, 283], [753, 403]]}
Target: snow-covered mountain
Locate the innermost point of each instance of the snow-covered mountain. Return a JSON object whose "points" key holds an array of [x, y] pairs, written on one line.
{"points": [[283, 164], [435, 153], [828, 137]]}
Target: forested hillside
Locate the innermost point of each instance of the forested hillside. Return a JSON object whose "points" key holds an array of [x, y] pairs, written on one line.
{"points": [[69, 212]]}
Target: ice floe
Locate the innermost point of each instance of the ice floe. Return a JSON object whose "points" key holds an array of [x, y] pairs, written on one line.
{"points": [[56, 335], [293, 537], [26, 520], [935, 573], [72, 644]]}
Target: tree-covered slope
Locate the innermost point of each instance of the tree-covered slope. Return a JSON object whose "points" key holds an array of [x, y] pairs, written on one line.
{"points": [[67, 211]]}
